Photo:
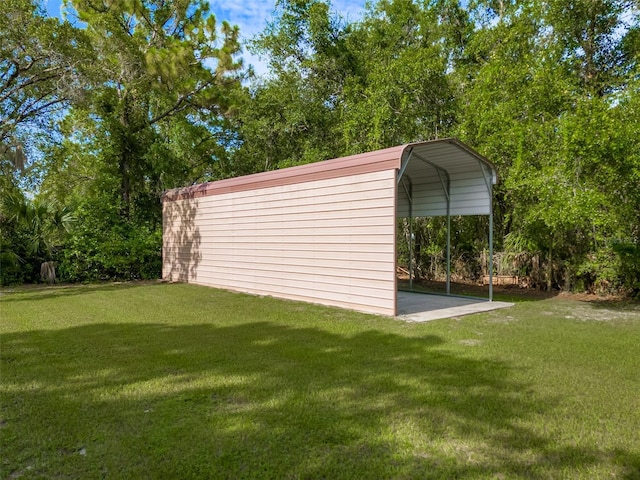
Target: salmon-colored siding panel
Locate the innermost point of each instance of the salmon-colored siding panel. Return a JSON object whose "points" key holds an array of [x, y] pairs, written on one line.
{"points": [[329, 241], [338, 168]]}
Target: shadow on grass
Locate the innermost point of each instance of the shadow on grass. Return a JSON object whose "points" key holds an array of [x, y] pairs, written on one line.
{"points": [[30, 293], [624, 305], [261, 400]]}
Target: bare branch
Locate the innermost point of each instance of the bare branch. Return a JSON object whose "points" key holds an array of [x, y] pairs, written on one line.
{"points": [[179, 105]]}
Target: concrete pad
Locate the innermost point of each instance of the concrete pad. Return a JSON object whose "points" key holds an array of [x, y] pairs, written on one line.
{"points": [[421, 307]]}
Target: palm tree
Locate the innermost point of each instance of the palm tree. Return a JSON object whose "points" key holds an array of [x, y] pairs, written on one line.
{"points": [[44, 224]]}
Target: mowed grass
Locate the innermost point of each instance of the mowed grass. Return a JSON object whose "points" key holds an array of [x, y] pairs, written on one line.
{"points": [[180, 381]]}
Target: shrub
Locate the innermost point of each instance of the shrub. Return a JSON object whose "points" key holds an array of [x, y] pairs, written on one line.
{"points": [[103, 246]]}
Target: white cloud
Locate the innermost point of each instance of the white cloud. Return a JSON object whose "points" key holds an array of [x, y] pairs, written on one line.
{"points": [[351, 10], [252, 17]]}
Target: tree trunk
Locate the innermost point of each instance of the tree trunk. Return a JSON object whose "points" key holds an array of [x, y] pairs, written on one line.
{"points": [[417, 250], [48, 272], [125, 186], [125, 158], [549, 270]]}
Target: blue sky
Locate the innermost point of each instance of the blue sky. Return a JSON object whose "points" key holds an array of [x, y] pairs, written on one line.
{"points": [[251, 16]]}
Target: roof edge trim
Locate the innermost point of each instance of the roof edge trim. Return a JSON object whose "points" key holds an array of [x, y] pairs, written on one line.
{"points": [[368, 162]]}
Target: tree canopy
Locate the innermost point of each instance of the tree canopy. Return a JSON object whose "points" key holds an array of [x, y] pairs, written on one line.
{"points": [[123, 99]]}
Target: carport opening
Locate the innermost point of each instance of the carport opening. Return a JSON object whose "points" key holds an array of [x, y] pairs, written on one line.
{"points": [[426, 265], [440, 185]]}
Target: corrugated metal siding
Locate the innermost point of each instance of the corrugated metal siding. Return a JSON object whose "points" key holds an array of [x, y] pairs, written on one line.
{"points": [[329, 241], [469, 193], [429, 200]]}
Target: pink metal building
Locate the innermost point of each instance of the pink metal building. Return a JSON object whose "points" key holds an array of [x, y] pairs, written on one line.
{"points": [[323, 232]]}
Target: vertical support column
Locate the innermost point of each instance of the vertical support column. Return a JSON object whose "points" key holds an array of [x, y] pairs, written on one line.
{"points": [[448, 238], [446, 188], [410, 238], [488, 180], [409, 192], [410, 250], [490, 241]]}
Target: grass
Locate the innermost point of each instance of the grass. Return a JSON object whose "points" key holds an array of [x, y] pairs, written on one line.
{"points": [[179, 381]]}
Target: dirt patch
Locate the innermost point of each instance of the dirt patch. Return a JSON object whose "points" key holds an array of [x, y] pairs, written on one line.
{"points": [[593, 312], [592, 297], [499, 317]]}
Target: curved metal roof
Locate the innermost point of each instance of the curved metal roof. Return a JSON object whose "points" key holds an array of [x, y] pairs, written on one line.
{"points": [[439, 170], [429, 172]]}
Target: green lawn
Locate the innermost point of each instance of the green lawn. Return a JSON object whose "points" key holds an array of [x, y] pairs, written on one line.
{"points": [[179, 381]]}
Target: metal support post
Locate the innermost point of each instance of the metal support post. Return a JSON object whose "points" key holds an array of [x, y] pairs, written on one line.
{"points": [[448, 245], [410, 250], [409, 192], [490, 242]]}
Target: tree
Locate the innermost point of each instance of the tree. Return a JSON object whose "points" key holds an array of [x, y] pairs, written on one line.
{"points": [[589, 34], [403, 92], [293, 116], [545, 89], [337, 89], [155, 64], [542, 100], [38, 74], [37, 229], [158, 92]]}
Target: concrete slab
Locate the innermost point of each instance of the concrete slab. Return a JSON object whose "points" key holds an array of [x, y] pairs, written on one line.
{"points": [[421, 307]]}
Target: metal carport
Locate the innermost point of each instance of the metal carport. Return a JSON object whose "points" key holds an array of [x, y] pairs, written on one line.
{"points": [[323, 232], [444, 178]]}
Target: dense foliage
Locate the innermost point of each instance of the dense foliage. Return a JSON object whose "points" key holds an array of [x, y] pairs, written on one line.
{"points": [[126, 98], [548, 90], [154, 84]]}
